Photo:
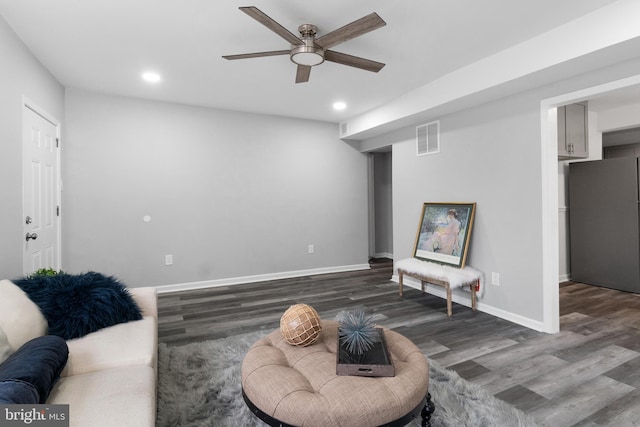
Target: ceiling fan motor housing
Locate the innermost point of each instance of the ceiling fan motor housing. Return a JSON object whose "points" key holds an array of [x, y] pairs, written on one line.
{"points": [[307, 53]]}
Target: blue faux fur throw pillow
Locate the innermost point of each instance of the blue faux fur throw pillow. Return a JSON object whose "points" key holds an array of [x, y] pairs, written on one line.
{"points": [[75, 305]]}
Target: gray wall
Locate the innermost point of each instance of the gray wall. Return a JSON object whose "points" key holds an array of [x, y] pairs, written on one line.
{"points": [[489, 155], [229, 194], [20, 75]]}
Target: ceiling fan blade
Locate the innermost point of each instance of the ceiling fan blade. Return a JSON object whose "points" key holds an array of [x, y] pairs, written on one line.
{"points": [[353, 61], [265, 20], [257, 54], [356, 28], [302, 74]]}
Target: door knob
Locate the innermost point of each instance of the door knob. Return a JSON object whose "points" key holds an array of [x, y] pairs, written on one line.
{"points": [[30, 236]]}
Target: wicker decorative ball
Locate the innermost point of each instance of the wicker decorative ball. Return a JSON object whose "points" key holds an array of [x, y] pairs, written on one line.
{"points": [[300, 325]]}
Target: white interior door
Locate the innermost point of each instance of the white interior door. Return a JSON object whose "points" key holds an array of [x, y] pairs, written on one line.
{"points": [[41, 190]]}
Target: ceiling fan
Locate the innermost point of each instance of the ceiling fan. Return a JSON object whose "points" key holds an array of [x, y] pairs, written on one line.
{"points": [[307, 51]]}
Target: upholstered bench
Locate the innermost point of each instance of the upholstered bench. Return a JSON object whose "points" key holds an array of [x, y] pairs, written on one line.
{"points": [[440, 275], [286, 385]]}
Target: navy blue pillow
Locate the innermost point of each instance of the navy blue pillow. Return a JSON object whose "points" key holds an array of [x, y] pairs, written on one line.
{"points": [[18, 392], [75, 305], [30, 373]]}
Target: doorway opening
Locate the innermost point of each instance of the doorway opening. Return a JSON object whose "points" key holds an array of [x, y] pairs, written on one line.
{"points": [[550, 192], [380, 204]]}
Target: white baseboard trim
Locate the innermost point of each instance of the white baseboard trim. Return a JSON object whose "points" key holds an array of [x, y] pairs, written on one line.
{"points": [[384, 255], [258, 278], [465, 299], [564, 278]]}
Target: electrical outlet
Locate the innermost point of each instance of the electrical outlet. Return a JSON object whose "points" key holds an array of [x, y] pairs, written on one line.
{"points": [[168, 260], [495, 279], [310, 249]]}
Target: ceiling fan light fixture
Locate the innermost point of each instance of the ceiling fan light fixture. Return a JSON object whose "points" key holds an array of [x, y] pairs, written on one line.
{"points": [[306, 51], [307, 55]]}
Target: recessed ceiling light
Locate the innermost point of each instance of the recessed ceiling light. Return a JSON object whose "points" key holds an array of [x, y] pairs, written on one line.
{"points": [[339, 105], [151, 77]]}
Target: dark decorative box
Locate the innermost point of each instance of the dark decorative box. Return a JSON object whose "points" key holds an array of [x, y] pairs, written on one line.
{"points": [[376, 362]]}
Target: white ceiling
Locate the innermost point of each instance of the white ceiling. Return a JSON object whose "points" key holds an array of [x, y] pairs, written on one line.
{"points": [[615, 99], [104, 46]]}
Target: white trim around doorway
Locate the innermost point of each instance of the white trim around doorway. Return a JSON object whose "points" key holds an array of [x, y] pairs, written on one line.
{"points": [[549, 174]]}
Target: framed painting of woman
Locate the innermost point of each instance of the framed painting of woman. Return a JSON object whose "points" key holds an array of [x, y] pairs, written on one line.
{"points": [[444, 233]]}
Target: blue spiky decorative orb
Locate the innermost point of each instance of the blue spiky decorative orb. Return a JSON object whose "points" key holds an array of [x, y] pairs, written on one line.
{"points": [[357, 331]]}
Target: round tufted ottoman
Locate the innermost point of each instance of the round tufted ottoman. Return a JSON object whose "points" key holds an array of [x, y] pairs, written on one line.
{"points": [[298, 386]]}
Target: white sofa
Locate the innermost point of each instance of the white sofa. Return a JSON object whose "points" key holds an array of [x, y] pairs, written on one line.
{"points": [[111, 374]]}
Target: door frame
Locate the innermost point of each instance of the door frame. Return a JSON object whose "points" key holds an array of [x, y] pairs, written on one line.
{"points": [[28, 104], [549, 174]]}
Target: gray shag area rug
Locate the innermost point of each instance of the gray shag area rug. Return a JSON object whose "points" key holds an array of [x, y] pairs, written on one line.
{"points": [[199, 385]]}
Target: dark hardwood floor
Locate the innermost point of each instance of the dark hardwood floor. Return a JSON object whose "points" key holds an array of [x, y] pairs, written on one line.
{"points": [[587, 375]]}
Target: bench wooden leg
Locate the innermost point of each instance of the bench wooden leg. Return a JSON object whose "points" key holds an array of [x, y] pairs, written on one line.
{"points": [[445, 284], [473, 294]]}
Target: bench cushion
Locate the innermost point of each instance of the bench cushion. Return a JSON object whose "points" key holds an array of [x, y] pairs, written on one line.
{"points": [[456, 277]]}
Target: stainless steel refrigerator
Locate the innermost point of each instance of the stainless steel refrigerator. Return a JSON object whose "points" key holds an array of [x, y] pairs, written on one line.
{"points": [[604, 223]]}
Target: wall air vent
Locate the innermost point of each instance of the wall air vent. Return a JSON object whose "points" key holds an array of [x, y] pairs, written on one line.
{"points": [[428, 138]]}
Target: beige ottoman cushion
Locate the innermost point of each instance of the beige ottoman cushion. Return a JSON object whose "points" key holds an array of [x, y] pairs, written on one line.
{"points": [[299, 385]]}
